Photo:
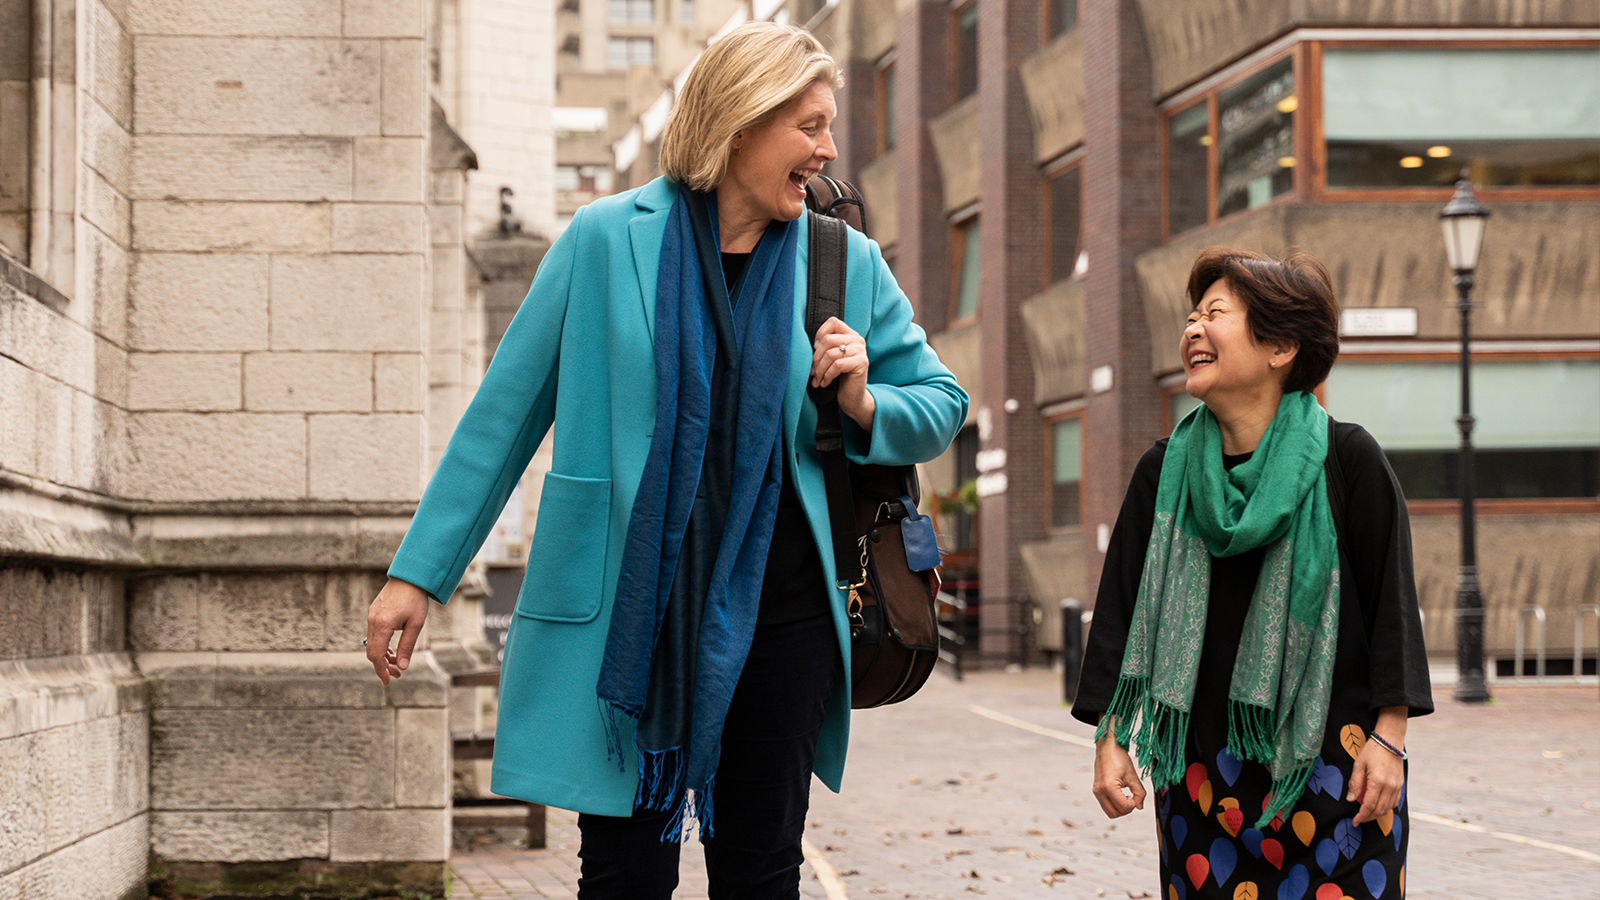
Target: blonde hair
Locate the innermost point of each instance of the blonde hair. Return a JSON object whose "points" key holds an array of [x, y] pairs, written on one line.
{"points": [[740, 81]]}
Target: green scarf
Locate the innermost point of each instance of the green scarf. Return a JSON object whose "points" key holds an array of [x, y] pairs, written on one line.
{"points": [[1278, 698]]}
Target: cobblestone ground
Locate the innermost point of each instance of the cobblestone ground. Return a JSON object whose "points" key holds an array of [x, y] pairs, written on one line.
{"points": [[950, 795]]}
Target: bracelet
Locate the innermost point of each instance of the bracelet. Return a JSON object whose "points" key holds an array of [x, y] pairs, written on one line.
{"points": [[1387, 746]]}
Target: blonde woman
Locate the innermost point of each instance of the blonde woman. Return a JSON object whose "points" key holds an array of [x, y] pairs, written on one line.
{"points": [[678, 646]]}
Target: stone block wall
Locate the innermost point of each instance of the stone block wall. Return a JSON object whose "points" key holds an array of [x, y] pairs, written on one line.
{"points": [[229, 261]]}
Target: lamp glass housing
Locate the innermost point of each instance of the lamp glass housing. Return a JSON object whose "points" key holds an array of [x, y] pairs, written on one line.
{"points": [[1463, 238]]}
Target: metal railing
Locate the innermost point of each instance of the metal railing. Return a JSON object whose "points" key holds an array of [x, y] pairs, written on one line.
{"points": [[1536, 614], [952, 631]]}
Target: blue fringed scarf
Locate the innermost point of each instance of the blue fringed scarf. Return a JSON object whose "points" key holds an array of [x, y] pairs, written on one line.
{"points": [[696, 551]]}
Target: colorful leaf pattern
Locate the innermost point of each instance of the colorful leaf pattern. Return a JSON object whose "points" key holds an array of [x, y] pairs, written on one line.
{"points": [[1329, 857]]}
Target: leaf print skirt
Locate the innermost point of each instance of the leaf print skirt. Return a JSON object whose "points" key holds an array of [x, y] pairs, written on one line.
{"points": [[1209, 848]]}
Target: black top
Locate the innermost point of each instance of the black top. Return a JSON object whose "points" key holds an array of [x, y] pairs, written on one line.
{"points": [[1380, 661], [793, 587], [1380, 649]]}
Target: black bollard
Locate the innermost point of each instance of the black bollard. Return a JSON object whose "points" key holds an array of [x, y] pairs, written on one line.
{"points": [[1071, 647]]}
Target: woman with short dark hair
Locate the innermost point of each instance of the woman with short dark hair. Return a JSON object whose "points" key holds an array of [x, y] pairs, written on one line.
{"points": [[1256, 640]]}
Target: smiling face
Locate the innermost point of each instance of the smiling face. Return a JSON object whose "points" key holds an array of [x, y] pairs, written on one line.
{"points": [[1222, 361], [771, 163]]}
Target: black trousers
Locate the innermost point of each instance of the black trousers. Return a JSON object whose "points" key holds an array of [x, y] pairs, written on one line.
{"points": [[763, 785]]}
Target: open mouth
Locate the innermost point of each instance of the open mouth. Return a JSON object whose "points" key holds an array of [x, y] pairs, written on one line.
{"points": [[799, 179], [1196, 360]]}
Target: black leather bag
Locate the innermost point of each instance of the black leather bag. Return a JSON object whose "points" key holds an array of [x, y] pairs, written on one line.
{"points": [[884, 550]]}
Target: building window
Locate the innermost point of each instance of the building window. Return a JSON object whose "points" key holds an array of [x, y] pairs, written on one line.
{"points": [[593, 179], [967, 268], [1065, 442], [966, 55], [631, 12], [1517, 117], [570, 46], [622, 52], [1255, 139], [1537, 433], [1232, 149], [1064, 217], [1059, 16], [885, 104], [1188, 162], [963, 525], [686, 14]]}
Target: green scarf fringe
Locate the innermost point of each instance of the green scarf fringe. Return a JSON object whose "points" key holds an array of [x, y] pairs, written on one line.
{"points": [[1285, 794], [1250, 732]]}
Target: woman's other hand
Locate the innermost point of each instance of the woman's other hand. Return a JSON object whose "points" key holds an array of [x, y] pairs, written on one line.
{"points": [[840, 353], [1116, 779], [1378, 774], [401, 606]]}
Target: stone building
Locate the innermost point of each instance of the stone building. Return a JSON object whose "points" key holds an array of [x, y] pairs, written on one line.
{"points": [[1040, 173], [239, 314]]}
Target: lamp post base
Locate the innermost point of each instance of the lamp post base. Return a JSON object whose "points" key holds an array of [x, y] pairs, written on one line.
{"points": [[1471, 685]]}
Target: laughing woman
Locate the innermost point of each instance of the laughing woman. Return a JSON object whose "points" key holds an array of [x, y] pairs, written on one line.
{"points": [[678, 643], [1256, 639]]}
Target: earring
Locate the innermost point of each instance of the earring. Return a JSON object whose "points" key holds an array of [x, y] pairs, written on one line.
{"points": [[1273, 364]]}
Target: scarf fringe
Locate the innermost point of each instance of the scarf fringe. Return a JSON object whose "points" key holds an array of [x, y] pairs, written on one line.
{"points": [[620, 723], [661, 774], [1250, 730], [1153, 729], [694, 807], [1124, 706], [1285, 794]]}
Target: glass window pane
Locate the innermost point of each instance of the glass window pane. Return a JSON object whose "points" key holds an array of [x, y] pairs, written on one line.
{"points": [[1413, 118], [967, 285], [887, 84], [1188, 141], [967, 50], [1413, 406], [1255, 139], [1064, 223], [1180, 404], [1063, 15], [1066, 475]]}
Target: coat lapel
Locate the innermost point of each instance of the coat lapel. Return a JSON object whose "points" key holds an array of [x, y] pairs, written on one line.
{"points": [[646, 231]]}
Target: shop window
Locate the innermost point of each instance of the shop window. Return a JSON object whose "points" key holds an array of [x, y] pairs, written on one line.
{"points": [[1537, 433], [1179, 404], [1255, 139], [1064, 221], [1407, 118], [966, 55], [1059, 16], [963, 525], [1064, 494], [967, 269], [631, 12], [884, 88], [622, 52], [1231, 149]]}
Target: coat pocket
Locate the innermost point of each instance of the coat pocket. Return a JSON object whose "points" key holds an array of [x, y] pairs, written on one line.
{"points": [[567, 560]]}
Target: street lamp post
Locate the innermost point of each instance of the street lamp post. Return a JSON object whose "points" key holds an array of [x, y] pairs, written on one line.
{"points": [[1463, 219]]}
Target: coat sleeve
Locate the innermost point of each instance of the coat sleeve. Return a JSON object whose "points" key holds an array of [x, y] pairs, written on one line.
{"points": [[497, 435], [1378, 544], [919, 406], [1119, 588]]}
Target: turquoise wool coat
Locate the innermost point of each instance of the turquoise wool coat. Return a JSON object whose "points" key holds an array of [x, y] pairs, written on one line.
{"points": [[579, 356]]}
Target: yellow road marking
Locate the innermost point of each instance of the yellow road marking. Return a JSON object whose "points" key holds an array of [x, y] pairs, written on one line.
{"points": [[831, 883]]}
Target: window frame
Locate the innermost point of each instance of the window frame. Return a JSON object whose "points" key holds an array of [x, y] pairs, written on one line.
{"points": [[1045, 8], [883, 101], [1069, 162], [1297, 54], [1048, 454], [958, 232], [1502, 506], [1318, 190], [958, 8]]}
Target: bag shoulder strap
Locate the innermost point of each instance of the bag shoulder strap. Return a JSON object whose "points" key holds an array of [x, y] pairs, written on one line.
{"points": [[824, 299]]}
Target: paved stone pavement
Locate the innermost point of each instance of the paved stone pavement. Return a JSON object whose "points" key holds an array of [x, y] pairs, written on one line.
{"points": [[946, 796]]}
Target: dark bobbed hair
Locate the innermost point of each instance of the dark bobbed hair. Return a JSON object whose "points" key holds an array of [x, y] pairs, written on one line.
{"points": [[1288, 301]]}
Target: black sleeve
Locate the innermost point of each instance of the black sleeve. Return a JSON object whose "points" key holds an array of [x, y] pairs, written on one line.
{"points": [[1378, 545], [1119, 588]]}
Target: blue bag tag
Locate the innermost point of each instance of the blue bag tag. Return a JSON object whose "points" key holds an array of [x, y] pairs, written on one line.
{"points": [[922, 545]]}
